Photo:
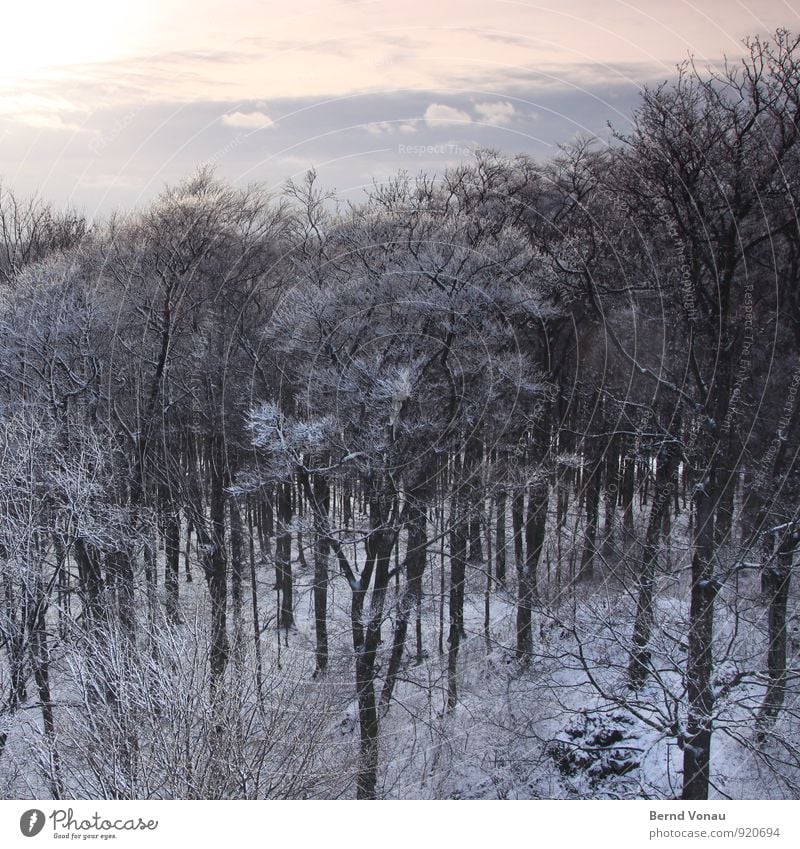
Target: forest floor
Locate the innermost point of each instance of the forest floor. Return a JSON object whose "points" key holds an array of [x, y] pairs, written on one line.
{"points": [[563, 725]]}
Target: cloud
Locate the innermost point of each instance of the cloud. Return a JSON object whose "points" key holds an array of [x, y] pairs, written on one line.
{"points": [[42, 112], [248, 120], [379, 128], [131, 182], [439, 113], [496, 112], [43, 121]]}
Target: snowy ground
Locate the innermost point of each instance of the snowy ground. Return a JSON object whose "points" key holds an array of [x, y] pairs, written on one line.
{"points": [[563, 726]]}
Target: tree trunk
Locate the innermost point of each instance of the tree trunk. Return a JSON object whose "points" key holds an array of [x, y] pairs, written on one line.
{"points": [[628, 489], [187, 554], [283, 556], [150, 575], [237, 572], [475, 543], [535, 523], [500, 537], [404, 608], [517, 519], [416, 554], [610, 497], [699, 664], [322, 498], [16, 645], [366, 640], [777, 579], [643, 624], [254, 602], [592, 495], [465, 482], [458, 562], [728, 473], [90, 581], [172, 554], [217, 567], [40, 654]]}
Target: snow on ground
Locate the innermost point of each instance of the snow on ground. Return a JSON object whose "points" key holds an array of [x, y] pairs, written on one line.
{"points": [[563, 726]]}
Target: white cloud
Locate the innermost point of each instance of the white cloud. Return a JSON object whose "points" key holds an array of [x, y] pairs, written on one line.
{"points": [[41, 112], [439, 113], [115, 181], [43, 121], [496, 112], [378, 128], [247, 120]]}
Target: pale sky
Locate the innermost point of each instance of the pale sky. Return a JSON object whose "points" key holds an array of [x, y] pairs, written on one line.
{"points": [[103, 101]]}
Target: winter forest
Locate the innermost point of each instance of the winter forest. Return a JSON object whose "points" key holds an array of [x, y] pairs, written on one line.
{"points": [[485, 486]]}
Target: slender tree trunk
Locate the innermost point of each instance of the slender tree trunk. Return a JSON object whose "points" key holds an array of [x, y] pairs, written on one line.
{"points": [[416, 555], [301, 551], [16, 644], [366, 640], [728, 472], [418, 546], [610, 496], [628, 490], [90, 580], [777, 578], [441, 526], [404, 608], [150, 576], [535, 524], [172, 554], [466, 484], [322, 498], [64, 588], [254, 602], [119, 587], [517, 519], [699, 665], [500, 537], [187, 554], [265, 525], [487, 595], [347, 506], [40, 653], [592, 496], [666, 477], [217, 567], [237, 573], [283, 556], [475, 543], [752, 504], [368, 725], [458, 562]]}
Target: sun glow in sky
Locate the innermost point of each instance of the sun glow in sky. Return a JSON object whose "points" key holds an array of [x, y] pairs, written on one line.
{"points": [[252, 49], [99, 98], [37, 35]]}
